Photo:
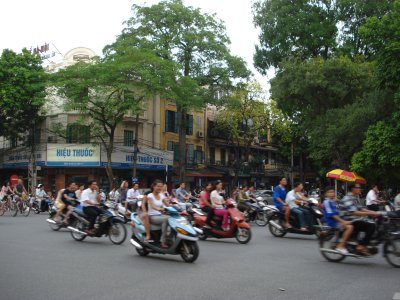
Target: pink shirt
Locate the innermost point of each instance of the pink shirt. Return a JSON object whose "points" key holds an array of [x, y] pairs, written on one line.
{"points": [[204, 198]]}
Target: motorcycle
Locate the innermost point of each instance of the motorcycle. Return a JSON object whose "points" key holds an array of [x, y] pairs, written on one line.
{"points": [[257, 212], [239, 229], [276, 219], [387, 233], [45, 207], [181, 237], [107, 223], [56, 226]]}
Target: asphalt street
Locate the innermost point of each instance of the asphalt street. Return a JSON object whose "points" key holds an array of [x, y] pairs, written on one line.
{"points": [[38, 263]]}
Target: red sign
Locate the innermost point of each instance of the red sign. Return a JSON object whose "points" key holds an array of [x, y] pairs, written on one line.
{"points": [[14, 179]]}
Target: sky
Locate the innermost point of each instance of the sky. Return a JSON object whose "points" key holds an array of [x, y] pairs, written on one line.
{"points": [[96, 23]]}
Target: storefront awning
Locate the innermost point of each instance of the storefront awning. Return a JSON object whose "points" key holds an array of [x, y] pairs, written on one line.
{"points": [[203, 174]]}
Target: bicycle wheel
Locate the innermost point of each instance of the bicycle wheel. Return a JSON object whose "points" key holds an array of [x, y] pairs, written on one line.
{"points": [[26, 208], [14, 209]]}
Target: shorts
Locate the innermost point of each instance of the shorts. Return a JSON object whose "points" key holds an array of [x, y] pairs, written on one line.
{"points": [[60, 205]]}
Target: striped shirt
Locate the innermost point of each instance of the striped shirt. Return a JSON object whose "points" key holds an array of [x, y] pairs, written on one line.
{"points": [[347, 206]]}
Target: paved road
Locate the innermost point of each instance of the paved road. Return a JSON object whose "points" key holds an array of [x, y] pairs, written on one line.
{"points": [[37, 263]]}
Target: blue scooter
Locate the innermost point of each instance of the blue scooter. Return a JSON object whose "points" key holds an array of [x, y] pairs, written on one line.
{"points": [[181, 237]]}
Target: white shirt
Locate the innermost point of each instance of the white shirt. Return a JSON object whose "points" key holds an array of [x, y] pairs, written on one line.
{"points": [[397, 203], [372, 198], [215, 195], [132, 194], [40, 193], [90, 195], [157, 203], [291, 198], [78, 194]]}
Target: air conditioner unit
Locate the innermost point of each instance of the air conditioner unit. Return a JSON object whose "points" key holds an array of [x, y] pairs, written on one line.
{"points": [[200, 134]]}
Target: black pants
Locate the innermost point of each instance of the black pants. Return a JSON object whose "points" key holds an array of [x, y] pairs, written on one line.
{"points": [[92, 212], [374, 207], [363, 226], [210, 213]]}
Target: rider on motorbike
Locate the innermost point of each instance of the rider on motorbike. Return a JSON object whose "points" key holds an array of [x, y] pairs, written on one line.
{"points": [[351, 212], [205, 203], [156, 208], [279, 197], [294, 199], [218, 200], [333, 219]]}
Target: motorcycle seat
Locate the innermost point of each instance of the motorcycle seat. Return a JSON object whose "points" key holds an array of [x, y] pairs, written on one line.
{"points": [[80, 212]]}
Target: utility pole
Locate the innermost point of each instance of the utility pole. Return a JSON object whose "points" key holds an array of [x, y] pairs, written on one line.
{"points": [[135, 144], [32, 171], [291, 163]]}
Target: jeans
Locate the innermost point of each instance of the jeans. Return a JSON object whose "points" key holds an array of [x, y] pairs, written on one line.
{"points": [[210, 213], [92, 212], [222, 212], [303, 215], [163, 221], [367, 227]]}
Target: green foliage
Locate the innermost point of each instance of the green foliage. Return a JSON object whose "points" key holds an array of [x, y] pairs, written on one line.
{"points": [[197, 46], [22, 91]]}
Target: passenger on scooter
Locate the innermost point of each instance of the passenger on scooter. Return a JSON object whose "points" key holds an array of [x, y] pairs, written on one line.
{"points": [[144, 216], [351, 212], [182, 195], [217, 200], [333, 219], [205, 203], [294, 199], [69, 199], [132, 197], [156, 208], [279, 197], [243, 200]]}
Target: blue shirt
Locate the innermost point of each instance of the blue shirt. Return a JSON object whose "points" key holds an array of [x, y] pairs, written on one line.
{"points": [[279, 192], [330, 210]]}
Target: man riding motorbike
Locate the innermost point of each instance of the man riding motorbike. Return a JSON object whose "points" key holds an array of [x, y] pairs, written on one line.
{"points": [[350, 212], [295, 199], [279, 197]]}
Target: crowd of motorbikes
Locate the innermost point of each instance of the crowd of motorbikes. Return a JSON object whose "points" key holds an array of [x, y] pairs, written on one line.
{"points": [[186, 225]]}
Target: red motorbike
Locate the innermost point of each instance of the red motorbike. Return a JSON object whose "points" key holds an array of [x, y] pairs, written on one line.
{"points": [[238, 228]]}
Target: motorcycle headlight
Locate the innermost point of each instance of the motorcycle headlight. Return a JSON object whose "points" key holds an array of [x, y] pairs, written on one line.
{"points": [[182, 231]]}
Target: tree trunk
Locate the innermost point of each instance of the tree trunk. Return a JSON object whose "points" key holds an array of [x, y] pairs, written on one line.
{"points": [[109, 150], [301, 167], [182, 142], [135, 144], [237, 165]]}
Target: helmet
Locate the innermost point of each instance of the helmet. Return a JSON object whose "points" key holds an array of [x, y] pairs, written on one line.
{"points": [[39, 186]]}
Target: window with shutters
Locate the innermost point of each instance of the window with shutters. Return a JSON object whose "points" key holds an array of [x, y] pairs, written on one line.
{"points": [[176, 152], [190, 154], [212, 155], [171, 121], [79, 134], [199, 155], [189, 124], [129, 137], [223, 157], [170, 145]]}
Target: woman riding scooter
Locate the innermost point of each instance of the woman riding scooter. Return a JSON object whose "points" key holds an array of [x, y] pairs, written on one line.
{"points": [[156, 207], [217, 200]]}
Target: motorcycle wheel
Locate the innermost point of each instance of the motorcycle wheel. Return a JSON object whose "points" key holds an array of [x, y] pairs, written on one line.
{"points": [[142, 252], [275, 231], [261, 219], [391, 250], [35, 209], [328, 242], [203, 236], [75, 235], [117, 233], [243, 235], [53, 226], [189, 251]]}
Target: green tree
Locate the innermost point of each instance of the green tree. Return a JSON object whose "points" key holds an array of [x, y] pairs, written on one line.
{"points": [[104, 91], [293, 29], [242, 118], [196, 43], [22, 91]]}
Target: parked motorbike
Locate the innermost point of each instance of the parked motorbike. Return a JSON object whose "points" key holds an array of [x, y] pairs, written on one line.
{"points": [[107, 224], [276, 219], [239, 229], [181, 237], [387, 233]]}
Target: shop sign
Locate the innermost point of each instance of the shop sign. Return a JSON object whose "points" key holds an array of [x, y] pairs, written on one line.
{"points": [[73, 155]]}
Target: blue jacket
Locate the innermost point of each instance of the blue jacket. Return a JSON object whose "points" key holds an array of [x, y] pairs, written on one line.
{"points": [[330, 210]]}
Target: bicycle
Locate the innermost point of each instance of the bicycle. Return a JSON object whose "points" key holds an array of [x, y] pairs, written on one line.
{"points": [[7, 204], [23, 206]]}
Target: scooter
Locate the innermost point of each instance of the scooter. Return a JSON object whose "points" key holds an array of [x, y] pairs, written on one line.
{"points": [[181, 237], [239, 229], [276, 219]]}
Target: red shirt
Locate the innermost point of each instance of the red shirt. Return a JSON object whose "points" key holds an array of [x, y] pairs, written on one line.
{"points": [[204, 198]]}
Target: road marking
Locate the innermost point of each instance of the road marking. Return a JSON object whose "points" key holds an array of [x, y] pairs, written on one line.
{"points": [[396, 296]]}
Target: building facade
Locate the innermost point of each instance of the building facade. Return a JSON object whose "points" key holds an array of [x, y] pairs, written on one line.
{"points": [[75, 157]]}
